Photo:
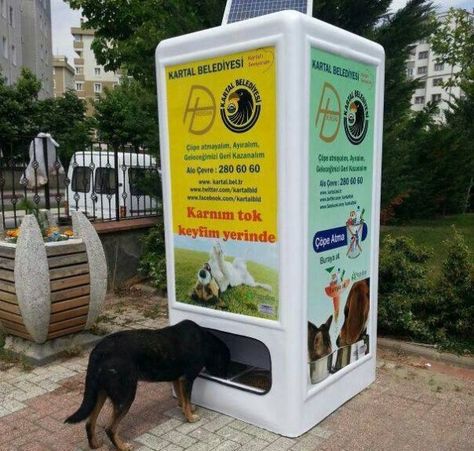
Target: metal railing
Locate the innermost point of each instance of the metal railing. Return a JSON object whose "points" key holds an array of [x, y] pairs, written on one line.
{"points": [[107, 184]]}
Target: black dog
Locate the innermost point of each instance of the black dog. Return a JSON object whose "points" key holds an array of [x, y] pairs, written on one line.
{"points": [[176, 353]]}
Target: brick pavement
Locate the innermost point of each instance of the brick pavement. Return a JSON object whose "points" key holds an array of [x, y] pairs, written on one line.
{"points": [[409, 407]]}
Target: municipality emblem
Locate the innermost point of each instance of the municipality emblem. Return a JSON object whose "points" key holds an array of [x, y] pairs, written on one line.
{"points": [[240, 105]]}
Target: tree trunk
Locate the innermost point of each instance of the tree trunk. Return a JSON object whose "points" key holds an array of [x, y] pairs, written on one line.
{"points": [[468, 196]]}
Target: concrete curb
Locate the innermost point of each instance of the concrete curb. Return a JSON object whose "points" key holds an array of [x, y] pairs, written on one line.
{"points": [[41, 354], [429, 353]]}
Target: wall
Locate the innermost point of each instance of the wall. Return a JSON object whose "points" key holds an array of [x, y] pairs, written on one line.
{"points": [[123, 248]]}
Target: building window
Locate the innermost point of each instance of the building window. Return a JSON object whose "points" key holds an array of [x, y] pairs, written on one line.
{"points": [[97, 71], [422, 70], [423, 55], [14, 55], [437, 82], [436, 97], [78, 37], [419, 100], [410, 72], [10, 17], [97, 88], [79, 70], [79, 86], [5, 47], [421, 84], [439, 66], [3, 6]]}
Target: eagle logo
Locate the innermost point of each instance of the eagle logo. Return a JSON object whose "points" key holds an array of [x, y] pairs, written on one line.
{"points": [[356, 117], [240, 108]]}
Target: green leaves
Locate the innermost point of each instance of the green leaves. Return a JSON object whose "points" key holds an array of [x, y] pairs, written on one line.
{"points": [[453, 41], [127, 115]]}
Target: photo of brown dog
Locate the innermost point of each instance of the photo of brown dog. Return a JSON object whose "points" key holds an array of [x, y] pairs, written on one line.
{"points": [[206, 288], [356, 313]]}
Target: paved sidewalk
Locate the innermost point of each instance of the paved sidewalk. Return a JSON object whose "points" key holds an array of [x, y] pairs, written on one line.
{"points": [[409, 407]]}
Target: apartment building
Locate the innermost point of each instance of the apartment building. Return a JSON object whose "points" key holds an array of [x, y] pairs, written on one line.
{"points": [[25, 40], [37, 42], [424, 66], [63, 76], [91, 78], [10, 40]]}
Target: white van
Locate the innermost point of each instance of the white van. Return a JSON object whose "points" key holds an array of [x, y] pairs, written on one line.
{"points": [[102, 192]]}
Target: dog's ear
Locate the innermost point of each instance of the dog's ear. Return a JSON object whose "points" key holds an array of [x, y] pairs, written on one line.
{"points": [[328, 322], [194, 295]]}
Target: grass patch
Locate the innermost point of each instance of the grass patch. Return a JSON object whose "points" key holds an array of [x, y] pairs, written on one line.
{"points": [[243, 300], [8, 359], [432, 233]]}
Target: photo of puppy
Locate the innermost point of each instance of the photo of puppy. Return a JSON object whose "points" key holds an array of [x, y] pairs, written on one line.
{"points": [[356, 313], [206, 288], [231, 274], [177, 354], [319, 340]]}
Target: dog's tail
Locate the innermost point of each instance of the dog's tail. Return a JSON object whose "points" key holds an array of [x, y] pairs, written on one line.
{"points": [[90, 394]]}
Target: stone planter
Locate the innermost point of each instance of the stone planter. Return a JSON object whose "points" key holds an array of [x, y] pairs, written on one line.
{"points": [[48, 290]]}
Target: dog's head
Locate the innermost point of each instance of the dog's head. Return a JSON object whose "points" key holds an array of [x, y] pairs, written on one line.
{"points": [[205, 274], [206, 288], [219, 356]]}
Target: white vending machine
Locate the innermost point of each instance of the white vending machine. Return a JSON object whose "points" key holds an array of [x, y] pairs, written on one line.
{"points": [[271, 136]]}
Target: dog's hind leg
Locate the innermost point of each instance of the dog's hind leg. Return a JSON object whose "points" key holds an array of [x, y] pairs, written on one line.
{"points": [[117, 417], [121, 390], [94, 443]]}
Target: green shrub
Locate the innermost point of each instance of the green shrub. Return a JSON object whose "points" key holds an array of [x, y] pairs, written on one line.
{"points": [[410, 306], [153, 260], [453, 303], [403, 288]]}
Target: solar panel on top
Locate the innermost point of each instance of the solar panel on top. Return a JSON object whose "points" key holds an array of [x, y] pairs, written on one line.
{"points": [[238, 10]]}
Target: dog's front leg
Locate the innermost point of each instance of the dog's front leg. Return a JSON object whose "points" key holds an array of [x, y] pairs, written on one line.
{"points": [[179, 394], [186, 387]]}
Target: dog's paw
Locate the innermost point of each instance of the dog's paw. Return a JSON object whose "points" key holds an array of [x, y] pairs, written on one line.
{"points": [[193, 418], [96, 444]]}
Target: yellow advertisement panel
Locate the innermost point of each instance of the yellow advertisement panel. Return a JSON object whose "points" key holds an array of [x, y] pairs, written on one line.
{"points": [[222, 145]]}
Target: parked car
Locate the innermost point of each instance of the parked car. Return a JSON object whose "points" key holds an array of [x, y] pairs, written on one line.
{"points": [[103, 190]]}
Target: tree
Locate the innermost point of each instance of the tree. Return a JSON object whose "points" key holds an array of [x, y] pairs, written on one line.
{"points": [[19, 112], [65, 118], [127, 32], [127, 115], [453, 42], [23, 116]]}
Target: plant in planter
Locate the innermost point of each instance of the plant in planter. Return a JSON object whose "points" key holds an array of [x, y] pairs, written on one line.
{"points": [[50, 232], [51, 288]]}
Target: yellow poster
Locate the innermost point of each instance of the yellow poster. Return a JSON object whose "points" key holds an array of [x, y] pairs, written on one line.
{"points": [[222, 148]]}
